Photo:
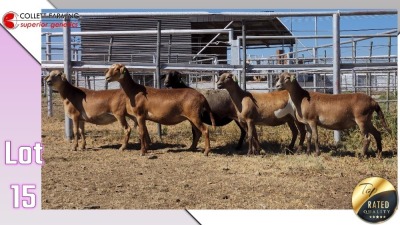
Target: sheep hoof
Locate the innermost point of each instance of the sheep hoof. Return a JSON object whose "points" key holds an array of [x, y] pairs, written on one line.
{"points": [[122, 148], [318, 153], [263, 152]]}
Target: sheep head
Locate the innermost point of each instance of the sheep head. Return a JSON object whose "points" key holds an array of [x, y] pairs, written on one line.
{"points": [[172, 78], [55, 79], [285, 80], [226, 80], [116, 72]]}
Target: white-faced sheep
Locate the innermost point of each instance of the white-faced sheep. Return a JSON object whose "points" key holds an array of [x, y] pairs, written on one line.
{"points": [[335, 112], [164, 106]]}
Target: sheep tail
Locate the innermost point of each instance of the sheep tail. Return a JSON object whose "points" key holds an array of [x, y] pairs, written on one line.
{"points": [[382, 117]]}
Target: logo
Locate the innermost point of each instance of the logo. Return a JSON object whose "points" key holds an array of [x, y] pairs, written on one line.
{"points": [[374, 200], [10, 20]]}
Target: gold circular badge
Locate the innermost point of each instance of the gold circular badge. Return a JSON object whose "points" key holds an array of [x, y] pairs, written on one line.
{"points": [[374, 199]]}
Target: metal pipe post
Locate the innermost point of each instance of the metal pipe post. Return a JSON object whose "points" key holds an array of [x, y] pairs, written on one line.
{"points": [[244, 56], [67, 70], [388, 78], [336, 62], [49, 89], [169, 48], [158, 66]]}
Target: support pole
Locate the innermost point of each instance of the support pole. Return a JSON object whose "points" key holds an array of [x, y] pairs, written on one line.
{"points": [[49, 89], [388, 78], [158, 66], [315, 83], [336, 62], [244, 56], [369, 75], [109, 57], [67, 70], [169, 48]]}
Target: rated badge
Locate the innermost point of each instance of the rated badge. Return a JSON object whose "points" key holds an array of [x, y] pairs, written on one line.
{"points": [[374, 199]]}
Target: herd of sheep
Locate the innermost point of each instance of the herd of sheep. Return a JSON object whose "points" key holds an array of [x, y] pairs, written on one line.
{"points": [[302, 110]]}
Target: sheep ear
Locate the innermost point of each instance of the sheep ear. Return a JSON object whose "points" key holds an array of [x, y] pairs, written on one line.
{"points": [[122, 70], [105, 72], [292, 78], [63, 77], [234, 78], [46, 77]]}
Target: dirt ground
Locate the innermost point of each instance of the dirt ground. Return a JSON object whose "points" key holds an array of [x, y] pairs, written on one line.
{"points": [[171, 177]]}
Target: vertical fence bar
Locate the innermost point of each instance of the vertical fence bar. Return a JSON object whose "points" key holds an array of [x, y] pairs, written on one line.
{"points": [[336, 63], [67, 70], [109, 57], [49, 89], [315, 83], [354, 60], [75, 58], [158, 66], [369, 75], [244, 56], [169, 47], [388, 77]]}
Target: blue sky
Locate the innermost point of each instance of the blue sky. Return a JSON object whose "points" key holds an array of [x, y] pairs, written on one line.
{"points": [[305, 26]]}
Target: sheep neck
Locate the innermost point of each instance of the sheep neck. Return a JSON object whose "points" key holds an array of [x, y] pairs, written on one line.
{"points": [[297, 93], [130, 87], [237, 95], [67, 90]]}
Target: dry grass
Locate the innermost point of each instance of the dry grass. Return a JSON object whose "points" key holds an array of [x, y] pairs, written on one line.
{"points": [[103, 177]]}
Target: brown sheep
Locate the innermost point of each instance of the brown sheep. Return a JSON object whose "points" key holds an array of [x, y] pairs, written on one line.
{"points": [[334, 112], [260, 108], [220, 103], [164, 106], [97, 107]]}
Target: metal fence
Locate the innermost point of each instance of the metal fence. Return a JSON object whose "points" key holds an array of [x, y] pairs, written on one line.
{"points": [[319, 67]]}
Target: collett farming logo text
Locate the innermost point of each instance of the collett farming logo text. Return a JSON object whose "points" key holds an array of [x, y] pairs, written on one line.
{"points": [[11, 20]]}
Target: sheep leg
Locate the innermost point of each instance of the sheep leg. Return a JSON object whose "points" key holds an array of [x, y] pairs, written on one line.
{"points": [[295, 132], [314, 131], [135, 125], [75, 128], [195, 132], [256, 142], [196, 137], [365, 133], [242, 136], [127, 132], [142, 133], [308, 135], [378, 139], [204, 131], [82, 133], [302, 129], [250, 134]]}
